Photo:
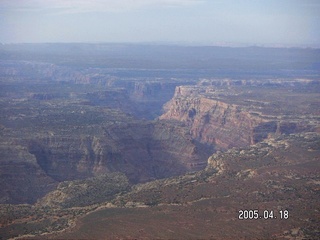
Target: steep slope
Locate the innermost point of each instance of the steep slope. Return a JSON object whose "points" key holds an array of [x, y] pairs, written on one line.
{"points": [[22, 179], [229, 117], [142, 151]]}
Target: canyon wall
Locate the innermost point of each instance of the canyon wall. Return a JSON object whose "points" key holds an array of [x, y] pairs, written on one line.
{"points": [[212, 121], [31, 166], [143, 151], [219, 122]]}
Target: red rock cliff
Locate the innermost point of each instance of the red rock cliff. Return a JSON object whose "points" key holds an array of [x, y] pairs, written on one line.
{"points": [[214, 122]]}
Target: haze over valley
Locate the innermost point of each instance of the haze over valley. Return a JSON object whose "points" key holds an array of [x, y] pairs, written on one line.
{"points": [[83, 124], [175, 119]]}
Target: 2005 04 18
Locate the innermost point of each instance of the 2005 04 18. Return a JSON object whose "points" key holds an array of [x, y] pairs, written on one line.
{"points": [[262, 214]]}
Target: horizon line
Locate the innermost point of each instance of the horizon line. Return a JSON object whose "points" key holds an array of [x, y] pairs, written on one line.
{"points": [[180, 43]]}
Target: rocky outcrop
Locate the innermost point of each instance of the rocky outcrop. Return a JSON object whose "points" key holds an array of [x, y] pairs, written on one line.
{"points": [[215, 120], [212, 121]]}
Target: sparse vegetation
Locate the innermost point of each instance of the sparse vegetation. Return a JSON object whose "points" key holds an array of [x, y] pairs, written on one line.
{"points": [[81, 146]]}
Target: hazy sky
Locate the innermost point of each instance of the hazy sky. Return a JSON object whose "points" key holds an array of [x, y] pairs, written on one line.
{"points": [[284, 22]]}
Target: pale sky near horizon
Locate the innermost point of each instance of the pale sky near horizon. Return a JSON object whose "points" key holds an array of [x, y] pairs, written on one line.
{"points": [[253, 22]]}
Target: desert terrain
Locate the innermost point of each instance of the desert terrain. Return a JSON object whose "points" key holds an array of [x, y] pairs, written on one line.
{"points": [[129, 141]]}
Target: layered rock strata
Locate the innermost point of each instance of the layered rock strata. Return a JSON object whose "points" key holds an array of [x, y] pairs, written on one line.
{"points": [[141, 151], [215, 120], [93, 143]]}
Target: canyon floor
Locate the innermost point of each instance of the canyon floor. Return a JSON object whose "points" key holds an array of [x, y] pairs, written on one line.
{"points": [[111, 141]]}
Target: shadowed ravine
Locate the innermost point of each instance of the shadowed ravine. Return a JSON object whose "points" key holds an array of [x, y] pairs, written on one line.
{"points": [[168, 149]]}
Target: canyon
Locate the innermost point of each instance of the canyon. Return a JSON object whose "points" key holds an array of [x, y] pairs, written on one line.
{"points": [[121, 135]]}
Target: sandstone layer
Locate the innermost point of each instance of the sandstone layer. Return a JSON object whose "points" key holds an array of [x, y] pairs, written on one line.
{"points": [[215, 118]]}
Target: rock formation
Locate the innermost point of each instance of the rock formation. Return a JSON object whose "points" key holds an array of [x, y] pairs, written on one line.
{"points": [[215, 120]]}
